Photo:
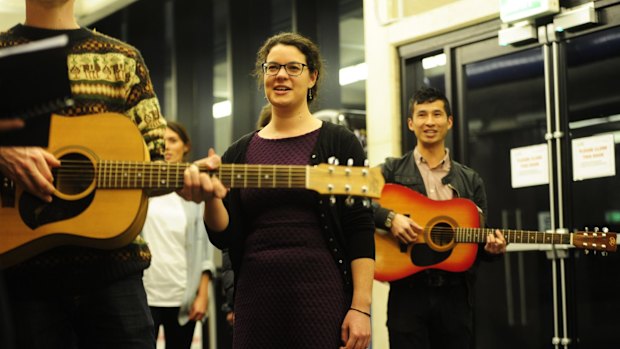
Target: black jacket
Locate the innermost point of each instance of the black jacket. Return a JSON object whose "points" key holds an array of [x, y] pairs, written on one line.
{"points": [[348, 230]]}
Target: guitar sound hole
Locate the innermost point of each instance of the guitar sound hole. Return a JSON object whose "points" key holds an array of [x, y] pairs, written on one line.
{"points": [[442, 234], [75, 174]]}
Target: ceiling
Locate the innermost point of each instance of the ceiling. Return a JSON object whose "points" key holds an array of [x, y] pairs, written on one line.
{"points": [[86, 11], [351, 40]]}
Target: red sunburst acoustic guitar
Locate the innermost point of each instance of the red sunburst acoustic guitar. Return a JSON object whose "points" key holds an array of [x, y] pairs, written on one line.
{"points": [[100, 198], [451, 236]]}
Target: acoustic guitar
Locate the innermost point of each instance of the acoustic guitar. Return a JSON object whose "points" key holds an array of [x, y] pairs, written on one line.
{"points": [[451, 236], [100, 199]]}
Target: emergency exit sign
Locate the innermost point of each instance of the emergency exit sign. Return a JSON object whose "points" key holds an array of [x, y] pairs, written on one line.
{"points": [[517, 10]]}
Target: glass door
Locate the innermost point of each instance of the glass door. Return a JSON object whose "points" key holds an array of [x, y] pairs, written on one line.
{"points": [[593, 122], [565, 97], [503, 107]]}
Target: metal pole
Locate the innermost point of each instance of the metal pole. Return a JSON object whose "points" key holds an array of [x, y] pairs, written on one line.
{"points": [[549, 137], [558, 135]]}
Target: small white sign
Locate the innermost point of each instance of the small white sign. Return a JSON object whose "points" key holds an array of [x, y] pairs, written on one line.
{"points": [[594, 157], [529, 166]]}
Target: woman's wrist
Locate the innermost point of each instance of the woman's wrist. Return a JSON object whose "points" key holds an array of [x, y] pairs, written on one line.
{"points": [[360, 311]]}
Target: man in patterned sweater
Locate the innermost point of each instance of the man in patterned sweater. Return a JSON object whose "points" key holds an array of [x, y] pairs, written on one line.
{"points": [[77, 297]]}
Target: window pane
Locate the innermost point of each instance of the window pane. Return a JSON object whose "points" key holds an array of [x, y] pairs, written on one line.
{"points": [[505, 108]]}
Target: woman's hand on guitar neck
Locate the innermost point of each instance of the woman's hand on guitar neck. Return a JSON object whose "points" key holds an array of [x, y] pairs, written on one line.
{"points": [[405, 229], [30, 167], [198, 186]]}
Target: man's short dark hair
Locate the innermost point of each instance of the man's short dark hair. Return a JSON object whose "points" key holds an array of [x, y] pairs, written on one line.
{"points": [[429, 95]]}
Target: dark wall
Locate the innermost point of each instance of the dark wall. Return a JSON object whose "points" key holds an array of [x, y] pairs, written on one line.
{"points": [[180, 46]]}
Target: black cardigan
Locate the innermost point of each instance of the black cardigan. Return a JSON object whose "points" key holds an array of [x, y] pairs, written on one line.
{"points": [[348, 230]]}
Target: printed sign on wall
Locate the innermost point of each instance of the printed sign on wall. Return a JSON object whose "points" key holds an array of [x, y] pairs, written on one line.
{"points": [[594, 157], [529, 166]]}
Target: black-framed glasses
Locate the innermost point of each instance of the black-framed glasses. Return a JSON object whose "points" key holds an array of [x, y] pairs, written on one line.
{"points": [[291, 68]]}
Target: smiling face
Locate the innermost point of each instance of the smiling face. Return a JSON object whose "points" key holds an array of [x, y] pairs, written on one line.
{"points": [[175, 147], [283, 90], [430, 123]]}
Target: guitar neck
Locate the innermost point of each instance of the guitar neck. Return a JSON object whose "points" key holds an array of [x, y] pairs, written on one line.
{"points": [[156, 175], [479, 235]]}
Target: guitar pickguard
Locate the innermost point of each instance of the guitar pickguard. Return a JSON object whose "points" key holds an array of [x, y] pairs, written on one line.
{"points": [[35, 212], [424, 256]]}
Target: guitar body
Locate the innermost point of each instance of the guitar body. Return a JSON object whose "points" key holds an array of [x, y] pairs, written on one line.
{"points": [[436, 248], [80, 213]]}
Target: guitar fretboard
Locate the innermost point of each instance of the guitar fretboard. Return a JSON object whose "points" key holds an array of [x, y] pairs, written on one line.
{"points": [[140, 175], [479, 235]]}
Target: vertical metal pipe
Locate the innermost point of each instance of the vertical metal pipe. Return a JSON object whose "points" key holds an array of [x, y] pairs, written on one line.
{"points": [[558, 135], [549, 138]]}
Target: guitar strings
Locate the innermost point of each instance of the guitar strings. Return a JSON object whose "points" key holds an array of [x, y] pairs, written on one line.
{"points": [[511, 235], [81, 171]]}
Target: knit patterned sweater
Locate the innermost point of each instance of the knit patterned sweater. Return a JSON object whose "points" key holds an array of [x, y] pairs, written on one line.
{"points": [[106, 75]]}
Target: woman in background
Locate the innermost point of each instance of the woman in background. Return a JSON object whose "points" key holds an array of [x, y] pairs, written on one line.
{"points": [[177, 282]]}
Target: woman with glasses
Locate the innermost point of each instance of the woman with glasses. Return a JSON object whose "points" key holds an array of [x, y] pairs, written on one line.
{"points": [[303, 263]]}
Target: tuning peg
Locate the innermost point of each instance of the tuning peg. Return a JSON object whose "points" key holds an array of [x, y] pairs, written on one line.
{"points": [[604, 253], [349, 164], [366, 203], [349, 201], [596, 229], [331, 160], [332, 200], [605, 230], [586, 251], [366, 163]]}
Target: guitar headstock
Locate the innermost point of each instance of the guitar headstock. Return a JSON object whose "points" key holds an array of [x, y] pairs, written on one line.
{"points": [[596, 240], [345, 180]]}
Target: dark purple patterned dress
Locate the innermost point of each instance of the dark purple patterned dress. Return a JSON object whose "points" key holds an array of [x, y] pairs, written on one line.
{"points": [[289, 293]]}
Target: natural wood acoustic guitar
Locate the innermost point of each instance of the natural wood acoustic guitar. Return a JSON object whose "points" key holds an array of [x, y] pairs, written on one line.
{"points": [[100, 199], [451, 236]]}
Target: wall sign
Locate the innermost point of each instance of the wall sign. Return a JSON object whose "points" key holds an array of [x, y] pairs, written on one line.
{"points": [[529, 166], [594, 157]]}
